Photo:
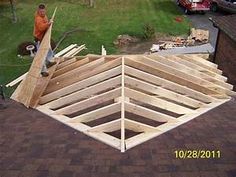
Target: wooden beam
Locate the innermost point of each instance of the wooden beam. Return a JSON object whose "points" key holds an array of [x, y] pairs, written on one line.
{"points": [[202, 110], [103, 52], [108, 84], [97, 114], [199, 63], [78, 71], [79, 49], [177, 76], [71, 67], [190, 71], [79, 77], [66, 62], [197, 67], [25, 91], [60, 118], [205, 62], [151, 100], [81, 85], [16, 81], [91, 58], [188, 77], [168, 84], [95, 100], [119, 99], [75, 51], [141, 138], [122, 106], [138, 127], [103, 137], [148, 113], [71, 52], [64, 51], [203, 56], [107, 127], [41, 86], [157, 90], [138, 139]]}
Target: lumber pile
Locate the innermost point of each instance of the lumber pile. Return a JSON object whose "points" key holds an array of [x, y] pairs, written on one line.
{"points": [[197, 36]]}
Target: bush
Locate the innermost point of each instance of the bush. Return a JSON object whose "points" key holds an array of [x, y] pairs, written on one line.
{"points": [[148, 31]]}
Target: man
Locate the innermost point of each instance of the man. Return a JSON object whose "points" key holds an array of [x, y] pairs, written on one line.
{"points": [[41, 24]]}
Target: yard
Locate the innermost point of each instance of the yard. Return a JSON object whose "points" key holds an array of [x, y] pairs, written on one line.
{"points": [[101, 25]]}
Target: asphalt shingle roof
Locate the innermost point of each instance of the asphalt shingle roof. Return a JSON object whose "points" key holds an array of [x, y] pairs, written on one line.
{"points": [[226, 24], [34, 145]]}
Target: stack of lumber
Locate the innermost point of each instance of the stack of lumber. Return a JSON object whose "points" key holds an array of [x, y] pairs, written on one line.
{"points": [[199, 35]]}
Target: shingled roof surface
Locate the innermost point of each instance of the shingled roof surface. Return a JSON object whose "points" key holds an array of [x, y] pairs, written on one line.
{"points": [[34, 145], [226, 24]]}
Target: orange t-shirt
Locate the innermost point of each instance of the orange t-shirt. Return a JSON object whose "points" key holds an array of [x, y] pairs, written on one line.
{"points": [[40, 26]]}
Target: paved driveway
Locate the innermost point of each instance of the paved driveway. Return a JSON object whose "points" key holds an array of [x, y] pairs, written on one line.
{"points": [[203, 22]]}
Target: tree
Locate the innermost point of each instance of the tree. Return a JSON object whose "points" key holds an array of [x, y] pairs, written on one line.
{"points": [[92, 3], [13, 9]]}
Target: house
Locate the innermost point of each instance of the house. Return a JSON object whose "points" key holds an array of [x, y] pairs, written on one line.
{"points": [[153, 95], [158, 92], [225, 52]]}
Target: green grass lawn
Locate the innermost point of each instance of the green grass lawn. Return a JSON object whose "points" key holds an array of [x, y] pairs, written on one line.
{"points": [[104, 23]]}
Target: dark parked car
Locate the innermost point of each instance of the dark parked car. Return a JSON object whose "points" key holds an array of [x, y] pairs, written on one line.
{"points": [[225, 5]]}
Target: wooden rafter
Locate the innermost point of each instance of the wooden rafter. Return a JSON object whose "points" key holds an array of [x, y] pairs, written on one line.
{"points": [[148, 95]]}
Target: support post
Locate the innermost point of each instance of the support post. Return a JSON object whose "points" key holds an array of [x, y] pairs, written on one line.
{"points": [[123, 106]]}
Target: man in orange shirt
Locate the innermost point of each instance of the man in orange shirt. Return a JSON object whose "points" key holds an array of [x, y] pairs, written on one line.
{"points": [[41, 24]]}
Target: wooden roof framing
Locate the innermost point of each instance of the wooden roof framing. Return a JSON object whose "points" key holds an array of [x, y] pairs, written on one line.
{"points": [[147, 95], [138, 96]]}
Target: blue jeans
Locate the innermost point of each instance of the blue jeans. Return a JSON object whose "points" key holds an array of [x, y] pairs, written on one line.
{"points": [[48, 58]]}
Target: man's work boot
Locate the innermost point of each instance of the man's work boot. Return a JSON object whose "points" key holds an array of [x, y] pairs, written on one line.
{"points": [[45, 74], [50, 64]]}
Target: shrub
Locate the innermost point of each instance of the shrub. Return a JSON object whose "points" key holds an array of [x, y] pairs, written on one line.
{"points": [[148, 31]]}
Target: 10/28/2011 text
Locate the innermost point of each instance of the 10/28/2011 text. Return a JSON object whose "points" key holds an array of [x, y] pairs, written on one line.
{"points": [[197, 154]]}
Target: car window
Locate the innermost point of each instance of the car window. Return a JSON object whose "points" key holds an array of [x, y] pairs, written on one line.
{"points": [[232, 1]]}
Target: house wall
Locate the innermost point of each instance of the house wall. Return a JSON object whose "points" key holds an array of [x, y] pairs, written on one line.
{"points": [[225, 57]]}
